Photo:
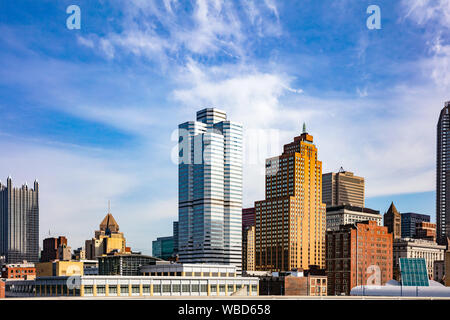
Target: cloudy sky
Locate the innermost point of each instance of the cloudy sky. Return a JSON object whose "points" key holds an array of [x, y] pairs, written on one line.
{"points": [[91, 113]]}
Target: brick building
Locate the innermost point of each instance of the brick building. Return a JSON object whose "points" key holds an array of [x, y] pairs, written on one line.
{"points": [[373, 263], [50, 248], [426, 231], [24, 271], [2, 289]]}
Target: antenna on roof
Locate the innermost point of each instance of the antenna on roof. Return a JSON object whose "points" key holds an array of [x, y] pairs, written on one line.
{"points": [[109, 206], [304, 127]]}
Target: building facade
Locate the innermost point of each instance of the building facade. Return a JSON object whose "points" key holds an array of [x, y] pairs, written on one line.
{"points": [[50, 248], [393, 221], [345, 214], [106, 240], [210, 189], [295, 284], [418, 248], [163, 248], [290, 222], [19, 222], [426, 231], [248, 239], [356, 252], [342, 188], [25, 271], [59, 268], [124, 264], [409, 221], [175, 237], [442, 176]]}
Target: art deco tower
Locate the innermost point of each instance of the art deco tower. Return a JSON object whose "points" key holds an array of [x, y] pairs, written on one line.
{"points": [[19, 222], [443, 176], [290, 223], [210, 190]]}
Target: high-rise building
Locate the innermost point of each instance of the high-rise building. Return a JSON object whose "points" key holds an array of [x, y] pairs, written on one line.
{"points": [[342, 188], [162, 248], [175, 237], [443, 176], [19, 222], [393, 221], [210, 190], [409, 221], [50, 248], [248, 239], [345, 214], [347, 269], [106, 240], [290, 222]]}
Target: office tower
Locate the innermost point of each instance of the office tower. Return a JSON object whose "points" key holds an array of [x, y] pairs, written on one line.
{"points": [[50, 248], [393, 221], [290, 222], [442, 171], [426, 231], [175, 237], [162, 248], [345, 268], [342, 188], [19, 222], [106, 240], [210, 190], [417, 248], [345, 214], [409, 221], [248, 239]]}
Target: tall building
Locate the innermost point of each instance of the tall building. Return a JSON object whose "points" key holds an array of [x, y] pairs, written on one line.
{"points": [[175, 237], [393, 221], [50, 248], [345, 214], [342, 188], [210, 190], [442, 172], [106, 240], [290, 222], [347, 269], [162, 248], [248, 239], [409, 221], [19, 222]]}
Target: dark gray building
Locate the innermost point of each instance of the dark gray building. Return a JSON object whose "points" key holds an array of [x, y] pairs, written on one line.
{"points": [[19, 222], [442, 172], [124, 264], [175, 237], [409, 220]]}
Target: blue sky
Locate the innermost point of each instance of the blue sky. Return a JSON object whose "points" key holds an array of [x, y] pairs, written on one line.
{"points": [[91, 113]]}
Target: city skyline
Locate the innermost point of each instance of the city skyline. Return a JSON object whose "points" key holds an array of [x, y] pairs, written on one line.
{"points": [[95, 109]]}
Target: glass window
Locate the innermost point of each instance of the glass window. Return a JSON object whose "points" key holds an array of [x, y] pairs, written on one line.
{"points": [[88, 290], [135, 289], [112, 289], [186, 288], [124, 289], [166, 288], [146, 288], [157, 288], [101, 289]]}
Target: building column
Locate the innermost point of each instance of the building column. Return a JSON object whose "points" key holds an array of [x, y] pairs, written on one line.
{"points": [[130, 293], [151, 289], [82, 290], [94, 290], [141, 291], [107, 290], [209, 289], [118, 289]]}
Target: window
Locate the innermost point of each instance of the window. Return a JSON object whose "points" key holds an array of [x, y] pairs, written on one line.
{"points": [[230, 288], [146, 288], [88, 290], [101, 289], [185, 288], [204, 288], [195, 287], [157, 288], [214, 288], [124, 289], [222, 288], [135, 289], [166, 288], [176, 288], [112, 289]]}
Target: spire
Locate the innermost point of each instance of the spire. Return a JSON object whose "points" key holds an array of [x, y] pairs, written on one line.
{"points": [[109, 206], [304, 127]]}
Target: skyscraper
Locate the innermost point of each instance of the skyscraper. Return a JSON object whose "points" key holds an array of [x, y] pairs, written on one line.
{"points": [[342, 188], [443, 176], [210, 189], [19, 222], [248, 239], [409, 221], [290, 223], [393, 221]]}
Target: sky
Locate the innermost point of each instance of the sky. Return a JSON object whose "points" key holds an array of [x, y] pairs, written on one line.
{"points": [[92, 113]]}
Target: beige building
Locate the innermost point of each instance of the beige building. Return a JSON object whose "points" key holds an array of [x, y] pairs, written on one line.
{"points": [[107, 240], [59, 269], [342, 188], [345, 214], [248, 252], [418, 248], [290, 222], [393, 221]]}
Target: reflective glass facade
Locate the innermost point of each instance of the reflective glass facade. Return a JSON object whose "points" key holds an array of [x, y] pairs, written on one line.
{"points": [[210, 189], [414, 272]]}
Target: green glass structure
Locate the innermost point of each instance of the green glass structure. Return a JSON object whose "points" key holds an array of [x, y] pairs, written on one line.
{"points": [[414, 272]]}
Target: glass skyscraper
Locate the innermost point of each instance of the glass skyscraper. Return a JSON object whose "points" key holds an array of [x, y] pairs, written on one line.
{"points": [[19, 222], [443, 176], [210, 189]]}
